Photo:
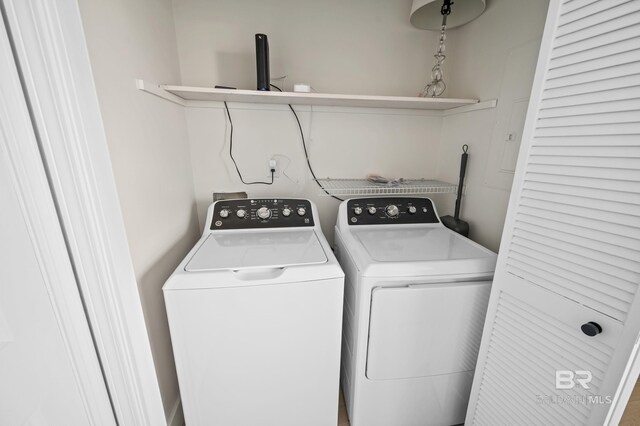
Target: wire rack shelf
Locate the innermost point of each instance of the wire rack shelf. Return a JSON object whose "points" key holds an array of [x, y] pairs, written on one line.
{"points": [[358, 187]]}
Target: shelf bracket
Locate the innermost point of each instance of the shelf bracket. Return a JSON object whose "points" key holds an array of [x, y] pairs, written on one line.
{"points": [[156, 90]]}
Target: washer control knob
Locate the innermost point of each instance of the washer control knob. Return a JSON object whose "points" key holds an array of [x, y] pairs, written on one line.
{"points": [[412, 210], [392, 210], [357, 210], [286, 212], [302, 211], [224, 213], [372, 210], [264, 213], [241, 213]]}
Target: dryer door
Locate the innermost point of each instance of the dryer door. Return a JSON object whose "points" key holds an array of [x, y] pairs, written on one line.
{"points": [[426, 329]]}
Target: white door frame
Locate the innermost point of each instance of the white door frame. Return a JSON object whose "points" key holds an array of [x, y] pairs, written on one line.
{"points": [[51, 51], [625, 388], [29, 181]]}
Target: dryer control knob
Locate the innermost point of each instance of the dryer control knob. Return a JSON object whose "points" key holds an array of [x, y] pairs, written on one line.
{"points": [[302, 211], [372, 210], [357, 210], [286, 212], [412, 210], [224, 213], [264, 213], [241, 213], [392, 210]]}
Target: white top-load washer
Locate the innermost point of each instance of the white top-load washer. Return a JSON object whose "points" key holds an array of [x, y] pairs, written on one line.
{"points": [[415, 300], [255, 314]]}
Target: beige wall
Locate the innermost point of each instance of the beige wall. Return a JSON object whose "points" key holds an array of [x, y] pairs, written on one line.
{"points": [[147, 140]]}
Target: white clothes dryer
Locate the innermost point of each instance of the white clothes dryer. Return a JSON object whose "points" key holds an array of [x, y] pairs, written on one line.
{"points": [[415, 300], [255, 314]]}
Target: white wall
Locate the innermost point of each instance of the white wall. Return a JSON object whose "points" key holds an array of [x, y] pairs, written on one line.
{"points": [[359, 46], [147, 140], [480, 48], [342, 142], [492, 57], [356, 46]]}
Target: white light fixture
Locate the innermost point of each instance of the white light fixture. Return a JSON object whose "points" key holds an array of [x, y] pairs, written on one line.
{"points": [[425, 14], [438, 15]]}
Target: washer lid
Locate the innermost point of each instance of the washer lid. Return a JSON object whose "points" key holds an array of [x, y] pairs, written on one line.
{"points": [[418, 244], [242, 250]]}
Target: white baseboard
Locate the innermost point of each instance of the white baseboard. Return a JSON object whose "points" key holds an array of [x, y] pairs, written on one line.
{"points": [[176, 417]]}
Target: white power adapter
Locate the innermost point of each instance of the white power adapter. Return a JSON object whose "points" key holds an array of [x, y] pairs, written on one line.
{"points": [[302, 88], [273, 170]]}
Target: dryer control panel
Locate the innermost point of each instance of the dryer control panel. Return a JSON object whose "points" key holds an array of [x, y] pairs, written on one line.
{"points": [[391, 210], [253, 213]]}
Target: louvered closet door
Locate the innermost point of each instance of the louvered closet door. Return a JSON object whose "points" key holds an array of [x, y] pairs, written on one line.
{"points": [[570, 252]]}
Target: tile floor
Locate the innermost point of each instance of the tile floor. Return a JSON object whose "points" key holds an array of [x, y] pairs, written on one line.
{"points": [[343, 420]]}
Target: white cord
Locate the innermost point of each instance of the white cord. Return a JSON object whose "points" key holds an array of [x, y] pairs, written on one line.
{"points": [[284, 169]]}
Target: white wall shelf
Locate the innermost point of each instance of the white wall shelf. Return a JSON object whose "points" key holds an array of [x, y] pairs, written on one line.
{"points": [[199, 96], [357, 187]]}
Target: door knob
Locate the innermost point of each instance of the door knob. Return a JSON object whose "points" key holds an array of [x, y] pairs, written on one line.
{"points": [[591, 328]]}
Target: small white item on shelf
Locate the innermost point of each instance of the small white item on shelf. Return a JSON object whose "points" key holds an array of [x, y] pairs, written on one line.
{"points": [[302, 88]]}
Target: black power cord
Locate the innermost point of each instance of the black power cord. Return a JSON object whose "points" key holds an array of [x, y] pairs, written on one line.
{"points": [[234, 160], [304, 145], [306, 154]]}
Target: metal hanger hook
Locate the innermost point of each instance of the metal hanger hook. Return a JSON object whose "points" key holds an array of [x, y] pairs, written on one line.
{"points": [[446, 7]]}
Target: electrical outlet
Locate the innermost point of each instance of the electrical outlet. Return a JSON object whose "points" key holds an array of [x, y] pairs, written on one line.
{"points": [[273, 163]]}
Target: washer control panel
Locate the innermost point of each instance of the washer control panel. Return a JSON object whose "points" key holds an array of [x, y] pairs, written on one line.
{"points": [[392, 210], [254, 213]]}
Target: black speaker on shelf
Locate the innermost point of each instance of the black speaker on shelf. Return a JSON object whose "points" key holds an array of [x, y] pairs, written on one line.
{"points": [[262, 61]]}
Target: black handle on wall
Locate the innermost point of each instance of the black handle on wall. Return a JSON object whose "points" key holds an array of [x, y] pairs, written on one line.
{"points": [[463, 170]]}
